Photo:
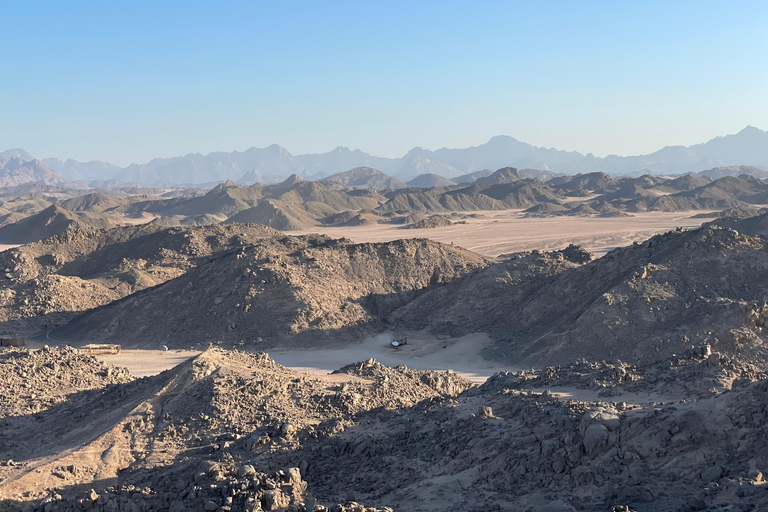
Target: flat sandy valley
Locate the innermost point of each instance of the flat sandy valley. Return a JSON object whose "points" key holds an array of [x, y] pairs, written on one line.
{"points": [[492, 233], [489, 233]]}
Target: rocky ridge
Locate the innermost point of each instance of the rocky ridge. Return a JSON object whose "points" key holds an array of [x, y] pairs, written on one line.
{"points": [[232, 431], [301, 289], [46, 283], [637, 303]]}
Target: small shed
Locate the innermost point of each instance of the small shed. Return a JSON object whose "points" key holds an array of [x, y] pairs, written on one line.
{"points": [[13, 342], [100, 349]]}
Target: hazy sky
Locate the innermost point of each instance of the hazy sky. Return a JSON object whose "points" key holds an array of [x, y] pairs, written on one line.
{"points": [[129, 81]]}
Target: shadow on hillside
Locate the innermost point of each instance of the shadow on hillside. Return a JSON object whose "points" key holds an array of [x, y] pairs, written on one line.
{"points": [[166, 315], [170, 480], [76, 421]]}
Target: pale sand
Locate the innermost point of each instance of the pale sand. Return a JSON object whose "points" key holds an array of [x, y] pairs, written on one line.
{"points": [[509, 231], [423, 352], [5, 247], [144, 363], [144, 218]]}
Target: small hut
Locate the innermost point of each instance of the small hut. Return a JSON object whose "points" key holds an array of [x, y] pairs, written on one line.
{"points": [[100, 349], [13, 342]]}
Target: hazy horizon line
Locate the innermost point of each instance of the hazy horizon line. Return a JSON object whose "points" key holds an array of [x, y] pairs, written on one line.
{"points": [[297, 154]]}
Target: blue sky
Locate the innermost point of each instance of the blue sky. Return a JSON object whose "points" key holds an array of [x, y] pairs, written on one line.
{"points": [[129, 81]]}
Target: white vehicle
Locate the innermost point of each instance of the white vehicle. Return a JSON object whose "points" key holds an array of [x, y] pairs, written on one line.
{"points": [[400, 342]]}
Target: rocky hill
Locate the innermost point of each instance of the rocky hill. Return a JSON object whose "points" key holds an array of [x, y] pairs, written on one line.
{"points": [[584, 184], [519, 194], [637, 303], [47, 283], [472, 176], [15, 171], [413, 165], [744, 188], [94, 202], [436, 221], [688, 182], [351, 218], [430, 180], [247, 283], [654, 193], [298, 204], [723, 193], [49, 222], [290, 205], [734, 170], [593, 209], [546, 210], [308, 289], [232, 431], [293, 204], [364, 177], [504, 175], [276, 214], [539, 174], [751, 222]]}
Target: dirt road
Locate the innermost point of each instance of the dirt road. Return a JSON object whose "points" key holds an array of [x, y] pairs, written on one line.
{"points": [[423, 352]]}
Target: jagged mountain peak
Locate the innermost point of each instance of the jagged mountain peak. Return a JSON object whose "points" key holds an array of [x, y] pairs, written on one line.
{"points": [[292, 180], [748, 147]]}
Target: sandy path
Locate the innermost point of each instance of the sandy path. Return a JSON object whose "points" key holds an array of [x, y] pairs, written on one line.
{"points": [[507, 231], [424, 352], [143, 363]]}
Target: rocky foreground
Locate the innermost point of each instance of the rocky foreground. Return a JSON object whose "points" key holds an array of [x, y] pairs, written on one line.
{"points": [[233, 431]]}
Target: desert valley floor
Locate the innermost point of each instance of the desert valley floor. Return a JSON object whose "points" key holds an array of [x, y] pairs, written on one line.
{"points": [[492, 233], [536, 377]]}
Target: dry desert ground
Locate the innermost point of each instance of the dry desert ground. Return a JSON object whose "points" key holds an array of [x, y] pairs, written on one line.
{"points": [[492, 233]]}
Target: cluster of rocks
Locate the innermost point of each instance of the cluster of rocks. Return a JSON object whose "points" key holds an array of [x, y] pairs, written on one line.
{"points": [[235, 431], [217, 486], [399, 386], [36, 379], [433, 222], [639, 303], [698, 372], [222, 414], [531, 450]]}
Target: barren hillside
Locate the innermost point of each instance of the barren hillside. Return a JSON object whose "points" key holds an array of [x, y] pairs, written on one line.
{"points": [[296, 204], [637, 303], [46, 283], [230, 431], [309, 289]]}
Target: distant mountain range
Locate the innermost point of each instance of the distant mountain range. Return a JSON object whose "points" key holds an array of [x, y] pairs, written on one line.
{"points": [[367, 196], [15, 171], [273, 164]]}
